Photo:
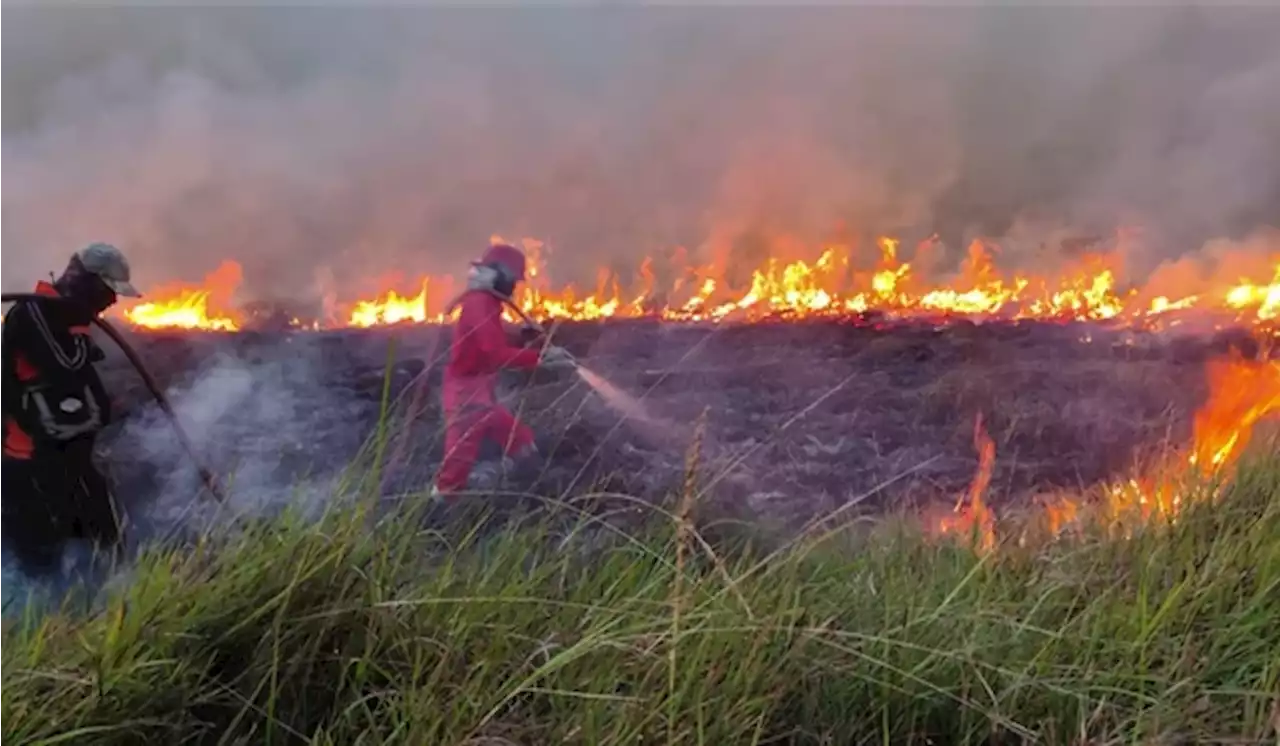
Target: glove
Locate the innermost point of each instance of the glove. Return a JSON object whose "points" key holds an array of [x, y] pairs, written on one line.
{"points": [[529, 334], [556, 357]]}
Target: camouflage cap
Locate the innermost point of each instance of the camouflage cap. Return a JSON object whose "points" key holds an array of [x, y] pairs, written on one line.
{"points": [[109, 264]]}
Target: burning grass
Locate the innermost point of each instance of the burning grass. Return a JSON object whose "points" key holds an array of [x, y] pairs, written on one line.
{"points": [[556, 628], [841, 281]]}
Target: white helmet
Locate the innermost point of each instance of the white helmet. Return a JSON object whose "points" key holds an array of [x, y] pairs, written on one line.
{"points": [[109, 264]]}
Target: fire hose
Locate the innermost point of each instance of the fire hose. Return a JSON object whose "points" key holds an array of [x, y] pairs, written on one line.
{"points": [[206, 475], [509, 303], [529, 323]]}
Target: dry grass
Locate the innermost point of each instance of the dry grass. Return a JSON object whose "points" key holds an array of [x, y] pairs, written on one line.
{"points": [[563, 630]]}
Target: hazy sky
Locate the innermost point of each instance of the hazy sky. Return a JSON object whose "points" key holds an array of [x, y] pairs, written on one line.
{"points": [[365, 140]]}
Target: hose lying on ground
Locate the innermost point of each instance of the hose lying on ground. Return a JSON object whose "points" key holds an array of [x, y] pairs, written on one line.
{"points": [[205, 475]]}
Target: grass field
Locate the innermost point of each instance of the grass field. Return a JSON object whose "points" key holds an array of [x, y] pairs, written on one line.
{"points": [[551, 630]]}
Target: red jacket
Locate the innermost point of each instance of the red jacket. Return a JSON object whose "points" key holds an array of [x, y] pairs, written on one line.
{"points": [[479, 350]]}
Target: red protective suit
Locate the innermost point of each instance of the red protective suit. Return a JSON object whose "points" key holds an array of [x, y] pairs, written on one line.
{"points": [[479, 350]]}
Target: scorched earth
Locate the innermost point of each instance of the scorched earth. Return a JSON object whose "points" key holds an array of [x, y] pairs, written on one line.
{"points": [[824, 383], [801, 417]]}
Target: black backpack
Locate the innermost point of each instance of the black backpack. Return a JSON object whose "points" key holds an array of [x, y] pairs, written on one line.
{"points": [[59, 405]]}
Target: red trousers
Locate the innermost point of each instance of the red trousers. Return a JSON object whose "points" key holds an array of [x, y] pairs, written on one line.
{"points": [[466, 430]]}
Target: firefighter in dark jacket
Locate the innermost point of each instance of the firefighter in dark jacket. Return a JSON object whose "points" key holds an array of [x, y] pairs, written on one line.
{"points": [[54, 407], [478, 352]]}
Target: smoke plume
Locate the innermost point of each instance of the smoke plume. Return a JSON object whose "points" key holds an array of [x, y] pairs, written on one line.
{"points": [[254, 421], [352, 142]]}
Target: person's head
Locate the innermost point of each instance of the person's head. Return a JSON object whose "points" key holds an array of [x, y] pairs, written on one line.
{"points": [[96, 276], [508, 265]]}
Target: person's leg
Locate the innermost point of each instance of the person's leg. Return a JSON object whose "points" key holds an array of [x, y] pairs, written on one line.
{"points": [[99, 518], [463, 435], [520, 454], [515, 437], [32, 511]]}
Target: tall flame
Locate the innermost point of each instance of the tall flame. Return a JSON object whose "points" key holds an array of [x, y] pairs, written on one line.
{"points": [[184, 307], [391, 309], [1242, 393], [971, 514]]}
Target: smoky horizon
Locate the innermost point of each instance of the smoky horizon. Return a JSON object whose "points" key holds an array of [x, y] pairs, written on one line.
{"points": [[330, 146]]}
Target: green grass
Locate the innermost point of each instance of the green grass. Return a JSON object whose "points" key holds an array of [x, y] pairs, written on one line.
{"points": [[346, 632]]}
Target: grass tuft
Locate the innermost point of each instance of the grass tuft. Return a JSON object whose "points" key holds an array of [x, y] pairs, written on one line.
{"points": [[348, 630]]}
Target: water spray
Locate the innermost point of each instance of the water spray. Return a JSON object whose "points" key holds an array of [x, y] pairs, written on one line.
{"points": [[615, 397], [206, 475], [611, 394]]}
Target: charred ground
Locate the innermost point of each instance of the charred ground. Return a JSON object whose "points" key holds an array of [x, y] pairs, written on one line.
{"points": [[800, 417]]}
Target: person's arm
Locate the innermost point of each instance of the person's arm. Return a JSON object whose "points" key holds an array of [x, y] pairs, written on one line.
{"points": [[99, 391], [55, 353], [491, 340]]}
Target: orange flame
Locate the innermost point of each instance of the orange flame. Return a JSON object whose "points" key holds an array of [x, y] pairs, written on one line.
{"points": [[189, 308], [391, 309], [831, 286], [1264, 298], [1242, 393], [971, 514]]}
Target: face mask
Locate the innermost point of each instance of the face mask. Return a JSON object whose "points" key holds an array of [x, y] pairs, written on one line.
{"points": [[504, 282], [87, 290]]}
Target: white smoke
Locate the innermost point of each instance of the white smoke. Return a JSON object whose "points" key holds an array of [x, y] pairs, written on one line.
{"points": [[362, 140], [244, 420]]}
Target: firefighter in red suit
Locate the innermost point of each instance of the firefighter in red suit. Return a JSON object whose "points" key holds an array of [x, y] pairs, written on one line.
{"points": [[478, 352]]}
